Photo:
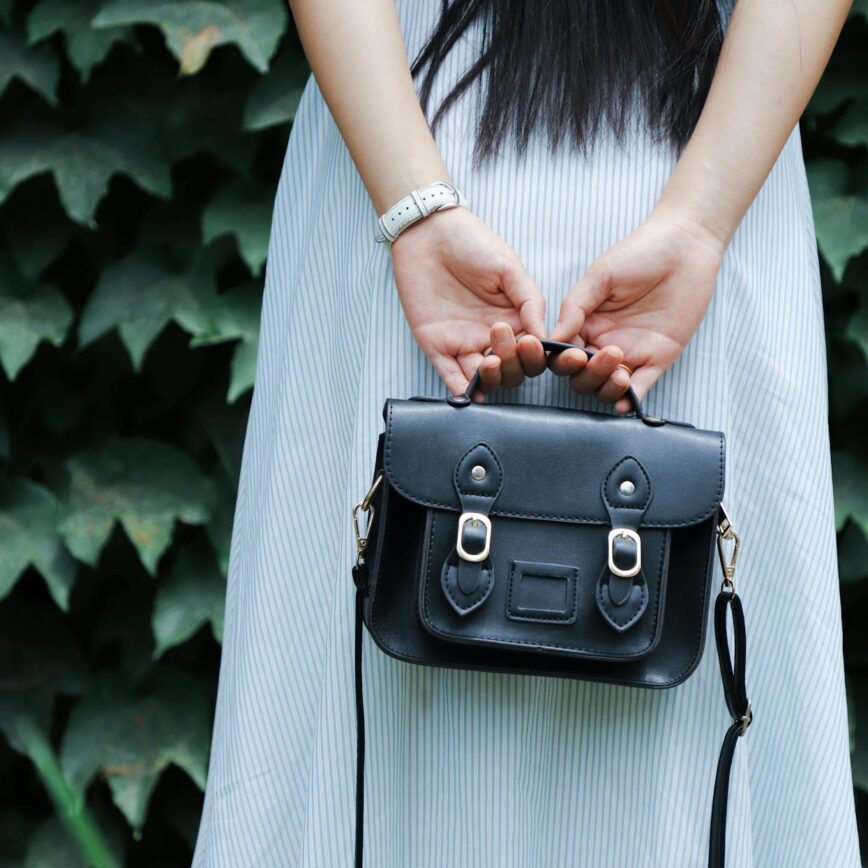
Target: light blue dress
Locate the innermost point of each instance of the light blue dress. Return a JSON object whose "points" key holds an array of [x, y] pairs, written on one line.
{"points": [[472, 770]]}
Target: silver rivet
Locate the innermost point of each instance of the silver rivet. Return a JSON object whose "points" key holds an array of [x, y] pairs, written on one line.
{"points": [[478, 472], [626, 488]]}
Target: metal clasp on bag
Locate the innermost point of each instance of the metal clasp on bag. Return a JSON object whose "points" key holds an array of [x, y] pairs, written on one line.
{"points": [[727, 533], [364, 505], [624, 533], [475, 518]]}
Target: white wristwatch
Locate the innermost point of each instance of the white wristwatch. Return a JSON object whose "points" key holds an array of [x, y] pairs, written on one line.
{"points": [[420, 203]]}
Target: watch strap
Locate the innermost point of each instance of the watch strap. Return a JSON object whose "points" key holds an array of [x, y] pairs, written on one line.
{"points": [[414, 206]]}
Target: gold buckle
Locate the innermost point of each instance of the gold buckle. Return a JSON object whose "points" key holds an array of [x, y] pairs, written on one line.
{"points": [[624, 533], [475, 517]]}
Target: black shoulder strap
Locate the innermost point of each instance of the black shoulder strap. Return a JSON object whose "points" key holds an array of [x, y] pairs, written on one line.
{"points": [[360, 579], [735, 694], [734, 690]]}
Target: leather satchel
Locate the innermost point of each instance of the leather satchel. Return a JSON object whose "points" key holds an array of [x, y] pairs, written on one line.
{"points": [[548, 541]]}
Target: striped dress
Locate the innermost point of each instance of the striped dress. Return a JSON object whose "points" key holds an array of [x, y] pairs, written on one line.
{"points": [[480, 770]]}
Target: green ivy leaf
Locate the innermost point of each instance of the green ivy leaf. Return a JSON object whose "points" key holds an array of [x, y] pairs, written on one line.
{"points": [[140, 295], [28, 315], [851, 490], [235, 316], [841, 218], [275, 98], [242, 208], [191, 595], [82, 162], [146, 485], [29, 515], [194, 27], [130, 738], [38, 660], [37, 67], [86, 46]]}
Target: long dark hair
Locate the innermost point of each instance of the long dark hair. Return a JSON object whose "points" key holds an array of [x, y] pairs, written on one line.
{"points": [[571, 66]]}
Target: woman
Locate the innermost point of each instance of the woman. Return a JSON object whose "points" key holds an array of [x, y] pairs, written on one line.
{"points": [[673, 231]]}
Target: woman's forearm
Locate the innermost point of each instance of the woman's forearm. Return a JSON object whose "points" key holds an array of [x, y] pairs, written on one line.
{"points": [[772, 58], [357, 54]]}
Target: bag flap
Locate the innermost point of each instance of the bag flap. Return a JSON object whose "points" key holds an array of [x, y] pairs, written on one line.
{"points": [[554, 459]]}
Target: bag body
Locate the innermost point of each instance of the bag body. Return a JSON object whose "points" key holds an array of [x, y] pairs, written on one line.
{"points": [[547, 541], [555, 485]]}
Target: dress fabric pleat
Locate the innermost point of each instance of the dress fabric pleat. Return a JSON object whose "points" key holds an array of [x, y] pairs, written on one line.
{"points": [[473, 770]]}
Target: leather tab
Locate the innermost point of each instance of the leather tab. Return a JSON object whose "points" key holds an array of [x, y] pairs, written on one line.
{"points": [[626, 492], [466, 601], [478, 479], [478, 494]]}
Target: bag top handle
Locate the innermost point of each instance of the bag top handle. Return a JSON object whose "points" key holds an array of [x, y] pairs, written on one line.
{"points": [[464, 399]]}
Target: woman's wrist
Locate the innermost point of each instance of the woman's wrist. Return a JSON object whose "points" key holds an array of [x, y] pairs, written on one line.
{"points": [[694, 202], [393, 183]]}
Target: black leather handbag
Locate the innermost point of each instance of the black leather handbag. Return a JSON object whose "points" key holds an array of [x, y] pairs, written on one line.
{"points": [[548, 541]]}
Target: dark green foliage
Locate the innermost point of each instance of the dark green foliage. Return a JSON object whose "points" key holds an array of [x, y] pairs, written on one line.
{"points": [[138, 164], [139, 154], [835, 136]]}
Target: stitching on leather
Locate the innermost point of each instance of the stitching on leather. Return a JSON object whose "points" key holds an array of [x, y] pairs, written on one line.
{"points": [[514, 642], [570, 518], [445, 583], [667, 543], [519, 670], [461, 490], [609, 503], [611, 614], [568, 617]]}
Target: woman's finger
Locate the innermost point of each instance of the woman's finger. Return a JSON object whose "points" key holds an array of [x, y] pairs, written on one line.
{"points": [[584, 298], [531, 355], [525, 296], [597, 370], [567, 362], [642, 380], [503, 343], [489, 373], [450, 372], [614, 387]]}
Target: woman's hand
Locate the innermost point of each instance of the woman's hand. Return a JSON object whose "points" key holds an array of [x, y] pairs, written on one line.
{"points": [[646, 295], [463, 289]]}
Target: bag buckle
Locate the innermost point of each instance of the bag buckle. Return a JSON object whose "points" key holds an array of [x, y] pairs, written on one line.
{"points": [[624, 533], [475, 518]]}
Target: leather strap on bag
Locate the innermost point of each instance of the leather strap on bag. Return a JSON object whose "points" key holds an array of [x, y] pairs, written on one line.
{"points": [[732, 672]]}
